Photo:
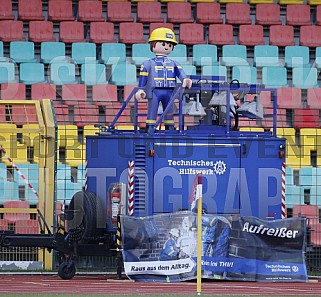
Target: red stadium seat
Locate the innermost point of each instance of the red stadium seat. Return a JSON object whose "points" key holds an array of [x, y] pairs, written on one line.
{"points": [[310, 36], [4, 224], [43, 91], [71, 32], [72, 94], [154, 26], [90, 11], [281, 35], [191, 34], [40, 31], [13, 217], [27, 226], [314, 98], [102, 32], [149, 12], [179, 12], [24, 114], [268, 14], [85, 114], [298, 15], [104, 93], [30, 10], [130, 33], [220, 34], [265, 99], [289, 98], [119, 12], [238, 13], [60, 10], [6, 10], [62, 113], [208, 13], [306, 118], [311, 212], [251, 35], [318, 15], [11, 30], [13, 91]]}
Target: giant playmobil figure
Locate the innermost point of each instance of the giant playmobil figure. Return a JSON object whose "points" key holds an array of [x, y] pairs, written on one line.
{"points": [[158, 77]]}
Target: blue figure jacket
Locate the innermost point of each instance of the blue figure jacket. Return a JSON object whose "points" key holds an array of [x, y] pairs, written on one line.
{"points": [[159, 72]]}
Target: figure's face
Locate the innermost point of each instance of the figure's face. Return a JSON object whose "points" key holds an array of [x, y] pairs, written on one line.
{"points": [[163, 48]]}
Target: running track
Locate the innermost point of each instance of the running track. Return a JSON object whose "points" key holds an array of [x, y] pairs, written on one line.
{"points": [[108, 285]]}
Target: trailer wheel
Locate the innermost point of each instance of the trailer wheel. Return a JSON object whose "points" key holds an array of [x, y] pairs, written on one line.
{"points": [[85, 216], [67, 270]]}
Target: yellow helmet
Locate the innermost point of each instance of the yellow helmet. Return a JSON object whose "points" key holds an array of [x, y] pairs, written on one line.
{"points": [[163, 34]]}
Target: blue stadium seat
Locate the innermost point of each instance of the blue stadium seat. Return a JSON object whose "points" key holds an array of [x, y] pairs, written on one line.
{"points": [[297, 56], [2, 57], [266, 55], [245, 74], [293, 196], [8, 190], [179, 54], [32, 73], [62, 73], [189, 69], [93, 74], [274, 76], [141, 52], [52, 52], [216, 70], [7, 72], [123, 74], [22, 51], [204, 54], [305, 77], [113, 53], [83, 52], [234, 54], [317, 60]]}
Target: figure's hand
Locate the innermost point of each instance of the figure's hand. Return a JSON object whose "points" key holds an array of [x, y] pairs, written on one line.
{"points": [[187, 83], [140, 94]]}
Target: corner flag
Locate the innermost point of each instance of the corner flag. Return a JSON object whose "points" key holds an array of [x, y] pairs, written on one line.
{"points": [[196, 192]]}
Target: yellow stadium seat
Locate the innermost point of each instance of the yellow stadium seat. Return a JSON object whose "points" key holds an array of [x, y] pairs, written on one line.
{"points": [[314, 2], [196, 1], [286, 2], [230, 1], [310, 140], [251, 129], [261, 1]]}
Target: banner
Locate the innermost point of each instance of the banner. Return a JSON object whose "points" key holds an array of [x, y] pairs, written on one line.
{"points": [[163, 248]]}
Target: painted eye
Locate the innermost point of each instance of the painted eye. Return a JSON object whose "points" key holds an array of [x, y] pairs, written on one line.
{"points": [[163, 44]]}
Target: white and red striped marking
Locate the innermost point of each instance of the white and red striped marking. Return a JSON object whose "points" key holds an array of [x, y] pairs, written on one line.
{"points": [[283, 210], [131, 188], [19, 172]]}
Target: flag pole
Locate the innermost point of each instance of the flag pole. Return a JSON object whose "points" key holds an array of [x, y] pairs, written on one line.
{"points": [[199, 240]]}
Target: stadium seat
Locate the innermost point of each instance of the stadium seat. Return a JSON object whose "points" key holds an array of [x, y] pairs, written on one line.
{"points": [[245, 74], [204, 54], [306, 118], [83, 52], [149, 12], [93, 73], [317, 60], [71, 32], [7, 72], [220, 34], [251, 35], [216, 70], [141, 52], [11, 91], [318, 15], [314, 98], [190, 34], [281, 35], [179, 54], [268, 14], [102, 32], [208, 13], [289, 98], [286, 2], [40, 31], [153, 26], [189, 69], [311, 212], [62, 73], [123, 74], [32, 73], [30, 10], [310, 36], [104, 93], [60, 10], [2, 57], [130, 33], [43, 91], [86, 114], [11, 30], [13, 217], [90, 11], [305, 77], [179, 12], [113, 53], [28, 226], [61, 114], [52, 52], [73, 94], [274, 77], [22, 51], [297, 56], [238, 13], [119, 12], [266, 55], [266, 99], [6, 10], [298, 15], [234, 54]]}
